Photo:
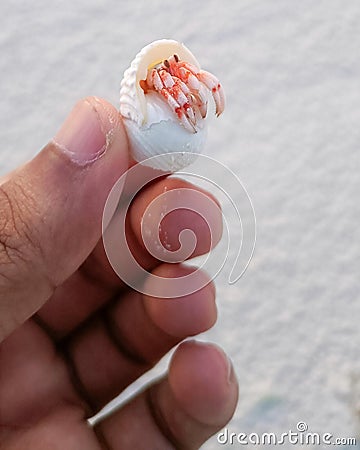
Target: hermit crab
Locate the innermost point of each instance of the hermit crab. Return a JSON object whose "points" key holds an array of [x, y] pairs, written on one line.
{"points": [[164, 101]]}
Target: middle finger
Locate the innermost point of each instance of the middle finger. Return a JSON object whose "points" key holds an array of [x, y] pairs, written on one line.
{"points": [[96, 283], [134, 333]]}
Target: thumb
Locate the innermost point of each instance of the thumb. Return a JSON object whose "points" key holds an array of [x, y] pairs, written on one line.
{"points": [[51, 208]]}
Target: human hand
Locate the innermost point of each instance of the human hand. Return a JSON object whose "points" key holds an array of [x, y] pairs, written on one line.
{"points": [[72, 335]]}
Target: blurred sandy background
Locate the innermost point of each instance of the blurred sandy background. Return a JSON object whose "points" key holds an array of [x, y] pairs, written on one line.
{"points": [[291, 133]]}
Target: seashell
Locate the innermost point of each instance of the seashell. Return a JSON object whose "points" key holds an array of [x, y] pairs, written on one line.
{"points": [[164, 103]]}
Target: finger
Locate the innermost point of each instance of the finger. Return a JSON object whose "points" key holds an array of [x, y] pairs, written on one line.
{"points": [[169, 224], [63, 428], [183, 411], [96, 283], [51, 208], [196, 400], [34, 377], [135, 333]]}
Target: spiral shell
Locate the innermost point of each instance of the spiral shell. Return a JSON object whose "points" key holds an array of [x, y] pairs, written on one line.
{"points": [[163, 101]]}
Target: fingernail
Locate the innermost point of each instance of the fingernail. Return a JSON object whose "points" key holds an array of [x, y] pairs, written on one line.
{"points": [[229, 370], [224, 358], [87, 132]]}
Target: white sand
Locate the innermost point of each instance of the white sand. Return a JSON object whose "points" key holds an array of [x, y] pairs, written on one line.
{"points": [[291, 133]]}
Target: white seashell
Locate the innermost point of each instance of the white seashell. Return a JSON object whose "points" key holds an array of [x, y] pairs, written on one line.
{"points": [[163, 101]]}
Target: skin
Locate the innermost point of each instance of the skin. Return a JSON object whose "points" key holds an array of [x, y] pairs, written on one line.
{"points": [[73, 336]]}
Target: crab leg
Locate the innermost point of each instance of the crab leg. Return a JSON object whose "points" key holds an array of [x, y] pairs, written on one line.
{"points": [[184, 87], [183, 97], [174, 105], [179, 92], [153, 80], [201, 76], [201, 100], [162, 82], [189, 78], [212, 83], [187, 74], [194, 79], [192, 101]]}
